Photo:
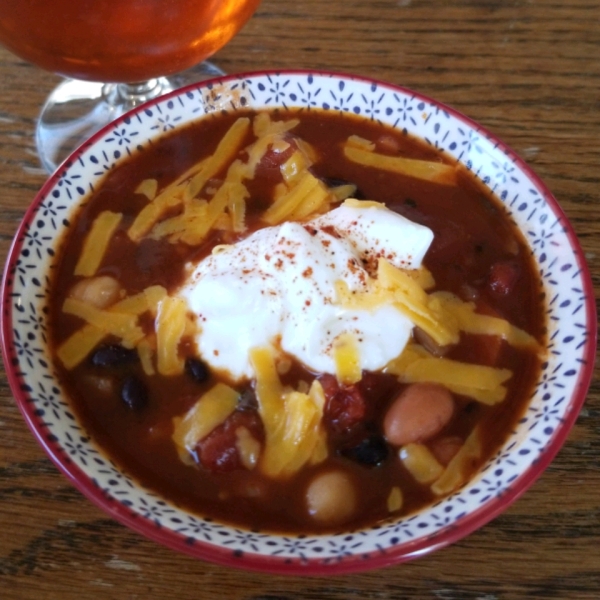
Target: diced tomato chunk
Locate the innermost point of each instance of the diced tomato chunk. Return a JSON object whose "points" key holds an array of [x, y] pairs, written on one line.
{"points": [[218, 452], [345, 406], [503, 276], [269, 166]]}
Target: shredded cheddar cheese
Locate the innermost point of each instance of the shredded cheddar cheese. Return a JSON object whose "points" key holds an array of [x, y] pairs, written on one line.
{"points": [[304, 190], [148, 188], [435, 172], [146, 350], [192, 226], [347, 359], [479, 382], [395, 500], [237, 210], [294, 434], [101, 323], [182, 227], [96, 243], [75, 348], [200, 208], [355, 141], [344, 191], [223, 155], [420, 463], [455, 473], [442, 316], [471, 322], [294, 167], [412, 300], [248, 447], [207, 413], [263, 126], [170, 327], [154, 211], [121, 325]]}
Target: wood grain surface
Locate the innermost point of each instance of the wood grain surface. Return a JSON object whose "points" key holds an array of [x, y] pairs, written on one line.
{"points": [[529, 71]]}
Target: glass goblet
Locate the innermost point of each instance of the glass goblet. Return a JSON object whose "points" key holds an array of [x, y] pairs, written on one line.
{"points": [[114, 55]]}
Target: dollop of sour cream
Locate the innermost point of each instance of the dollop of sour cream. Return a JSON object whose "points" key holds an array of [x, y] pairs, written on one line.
{"points": [[277, 287]]}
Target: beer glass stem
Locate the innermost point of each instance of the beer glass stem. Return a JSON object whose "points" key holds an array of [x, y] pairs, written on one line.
{"points": [[133, 94], [77, 109]]}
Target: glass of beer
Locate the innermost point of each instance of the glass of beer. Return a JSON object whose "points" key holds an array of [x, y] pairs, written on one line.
{"points": [[114, 55]]}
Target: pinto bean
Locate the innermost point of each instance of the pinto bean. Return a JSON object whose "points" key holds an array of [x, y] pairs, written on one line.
{"points": [[331, 497], [101, 291], [420, 412]]}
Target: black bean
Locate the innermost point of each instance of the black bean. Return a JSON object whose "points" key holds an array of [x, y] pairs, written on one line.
{"points": [[370, 451], [196, 369], [113, 355], [134, 393]]}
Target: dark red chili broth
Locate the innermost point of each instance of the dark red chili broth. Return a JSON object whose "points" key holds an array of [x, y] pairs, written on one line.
{"points": [[477, 253]]}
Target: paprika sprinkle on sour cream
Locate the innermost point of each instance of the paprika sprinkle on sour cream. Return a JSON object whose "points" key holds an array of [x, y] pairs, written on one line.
{"points": [[296, 321]]}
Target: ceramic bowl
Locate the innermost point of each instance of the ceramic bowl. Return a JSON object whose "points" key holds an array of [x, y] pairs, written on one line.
{"points": [[559, 393]]}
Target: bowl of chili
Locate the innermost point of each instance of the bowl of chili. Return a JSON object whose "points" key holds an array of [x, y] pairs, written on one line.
{"points": [[420, 446]]}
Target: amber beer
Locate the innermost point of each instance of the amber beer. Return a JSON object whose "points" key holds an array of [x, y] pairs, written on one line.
{"points": [[119, 40]]}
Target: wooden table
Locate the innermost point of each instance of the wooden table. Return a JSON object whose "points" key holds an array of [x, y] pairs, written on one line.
{"points": [[528, 70]]}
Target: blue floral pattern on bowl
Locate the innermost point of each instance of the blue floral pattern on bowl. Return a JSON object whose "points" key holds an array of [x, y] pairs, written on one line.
{"points": [[553, 408]]}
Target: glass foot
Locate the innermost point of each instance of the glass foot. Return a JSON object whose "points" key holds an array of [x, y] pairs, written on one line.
{"points": [[77, 109]]}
